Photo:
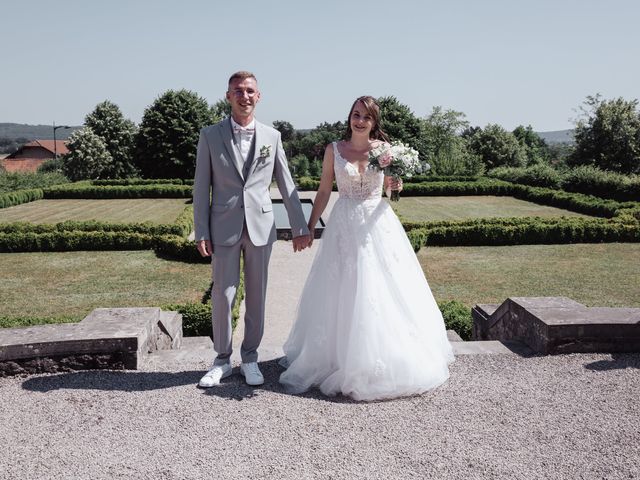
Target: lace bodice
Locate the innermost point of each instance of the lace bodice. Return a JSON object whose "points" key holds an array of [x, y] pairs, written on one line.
{"points": [[352, 184]]}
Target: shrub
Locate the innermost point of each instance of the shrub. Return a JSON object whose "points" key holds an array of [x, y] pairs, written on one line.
{"points": [[14, 181], [537, 175], [119, 191], [588, 179], [531, 231], [178, 248], [140, 181], [62, 241], [20, 196], [457, 317]]}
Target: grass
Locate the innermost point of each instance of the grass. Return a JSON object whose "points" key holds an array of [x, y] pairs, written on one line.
{"points": [[155, 210], [74, 283], [593, 274], [424, 209]]}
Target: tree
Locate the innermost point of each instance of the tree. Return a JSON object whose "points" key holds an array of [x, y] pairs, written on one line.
{"points": [[312, 143], [118, 135], [88, 157], [497, 147], [285, 128], [448, 150], [167, 139], [536, 149], [399, 122], [608, 135], [222, 109]]}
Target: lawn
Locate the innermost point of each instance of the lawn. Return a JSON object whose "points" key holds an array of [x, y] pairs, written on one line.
{"points": [[423, 209], [605, 274], [74, 283], [155, 210]]}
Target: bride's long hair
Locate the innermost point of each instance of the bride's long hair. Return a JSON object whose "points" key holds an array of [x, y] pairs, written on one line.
{"points": [[373, 109]]}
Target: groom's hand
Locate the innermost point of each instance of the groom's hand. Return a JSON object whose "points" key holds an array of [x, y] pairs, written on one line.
{"points": [[205, 248], [301, 242]]}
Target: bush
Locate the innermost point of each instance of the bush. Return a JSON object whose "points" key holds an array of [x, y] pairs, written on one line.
{"points": [[141, 181], [62, 241], [12, 182], [538, 175], [529, 231], [457, 317], [196, 318], [587, 179], [93, 226], [441, 178], [119, 191], [178, 248], [21, 196]]}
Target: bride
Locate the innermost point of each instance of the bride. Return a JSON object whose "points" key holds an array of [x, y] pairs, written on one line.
{"points": [[367, 324]]}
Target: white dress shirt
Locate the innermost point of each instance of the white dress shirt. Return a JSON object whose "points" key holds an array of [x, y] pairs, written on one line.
{"points": [[243, 136]]}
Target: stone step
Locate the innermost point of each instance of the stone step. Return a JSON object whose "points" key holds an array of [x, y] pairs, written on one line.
{"points": [[453, 336], [559, 325], [489, 347], [117, 338], [193, 350]]}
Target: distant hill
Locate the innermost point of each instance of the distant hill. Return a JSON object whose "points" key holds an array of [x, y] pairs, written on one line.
{"points": [[557, 136], [11, 131]]}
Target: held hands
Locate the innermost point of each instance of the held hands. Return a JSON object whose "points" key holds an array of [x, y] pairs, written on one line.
{"points": [[301, 242]]}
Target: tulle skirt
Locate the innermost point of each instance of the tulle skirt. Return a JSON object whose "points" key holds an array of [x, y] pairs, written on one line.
{"points": [[367, 324]]}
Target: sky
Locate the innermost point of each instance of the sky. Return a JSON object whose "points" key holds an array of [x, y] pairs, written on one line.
{"points": [[510, 62]]}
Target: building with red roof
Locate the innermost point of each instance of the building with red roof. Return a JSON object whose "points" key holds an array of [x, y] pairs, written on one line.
{"points": [[33, 154]]}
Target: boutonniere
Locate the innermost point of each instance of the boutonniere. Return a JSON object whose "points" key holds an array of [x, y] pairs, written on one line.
{"points": [[265, 150]]}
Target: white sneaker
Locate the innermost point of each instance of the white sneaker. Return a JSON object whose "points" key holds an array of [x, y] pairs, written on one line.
{"points": [[213, 376], [252, 374]]}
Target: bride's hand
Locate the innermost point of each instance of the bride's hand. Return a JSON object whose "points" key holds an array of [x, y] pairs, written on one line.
{"points": [[312, 232]]}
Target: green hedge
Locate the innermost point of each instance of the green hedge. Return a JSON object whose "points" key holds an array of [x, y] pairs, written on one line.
{"points": [[457, 317], [92, 226], [584, 179], [20, 196], [62, 241], [118, 191], [196, 317], [440, 178], [143, 181], [536, 231], [174, 247]]}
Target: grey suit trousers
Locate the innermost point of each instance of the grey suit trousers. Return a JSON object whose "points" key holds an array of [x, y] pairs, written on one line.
{"points": [[226, 278]]}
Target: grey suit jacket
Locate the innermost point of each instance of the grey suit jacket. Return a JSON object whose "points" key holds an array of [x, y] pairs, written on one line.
{"points": [[223, 199]]}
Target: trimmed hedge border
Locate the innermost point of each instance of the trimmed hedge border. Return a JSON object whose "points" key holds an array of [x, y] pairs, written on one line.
{"points": [[536, 231], [118, 191], [20, 196], [142, 181], [64, 241]]}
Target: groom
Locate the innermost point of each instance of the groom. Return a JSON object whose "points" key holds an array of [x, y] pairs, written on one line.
{"points": [[236, 161]]}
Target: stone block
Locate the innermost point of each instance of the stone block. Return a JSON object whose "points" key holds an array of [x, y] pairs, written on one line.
{"points": [[117, 338], [551, 325]]}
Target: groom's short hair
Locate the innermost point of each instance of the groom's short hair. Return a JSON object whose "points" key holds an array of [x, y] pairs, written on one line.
{"points": [[241, 75]]}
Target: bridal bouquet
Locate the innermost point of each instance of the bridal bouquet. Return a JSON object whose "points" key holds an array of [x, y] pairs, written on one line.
{"points": [[396, 160]]}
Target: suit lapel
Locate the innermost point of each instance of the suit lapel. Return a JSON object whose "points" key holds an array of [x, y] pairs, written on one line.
{"points": [[259, 136], [232, 148]]}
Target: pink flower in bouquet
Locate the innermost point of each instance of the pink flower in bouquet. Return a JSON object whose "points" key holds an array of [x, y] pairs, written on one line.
{"points": [[385, 159]]}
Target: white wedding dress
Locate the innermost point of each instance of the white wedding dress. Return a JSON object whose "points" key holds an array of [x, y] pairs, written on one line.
{"points": [[367, 324]]}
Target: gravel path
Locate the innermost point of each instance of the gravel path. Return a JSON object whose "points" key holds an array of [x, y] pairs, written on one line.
{"points": [[499, 416]]}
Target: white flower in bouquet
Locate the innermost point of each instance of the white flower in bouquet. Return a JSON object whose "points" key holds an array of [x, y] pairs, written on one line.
{"points": [[396, 160]]}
